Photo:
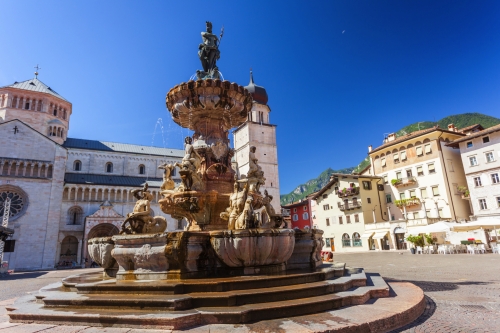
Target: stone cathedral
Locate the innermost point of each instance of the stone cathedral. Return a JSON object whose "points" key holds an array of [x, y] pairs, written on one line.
{"points": [[65, 191]]}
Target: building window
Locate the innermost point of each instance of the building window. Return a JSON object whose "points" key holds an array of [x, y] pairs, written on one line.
{"points": [[482, 204], [356, 240], [77, 166], [326, 207], [494, 178], [27, 106], [325, 196], [305, 207], [368, 200], [403, 156], [420, 151], [402, 196], [109, 167], [428, 213], [18, 201], [327, 222], [472, 161], [498, 202], [396, 158], [469, 144], [295, 217], [409, 173], [431, 168], [55, 112], [382, 161], [346, 240], [428, 149], [435, 191], [305, 216], [340, 220], [367, 185], [142, 169], [420, 171], [423, 193], [356, 217], [348, 219], [486, 139], [9, 245], [399, 175], [75, 215], [416, 215], [413, 194], [489, 157], [388, 198], [386, 179], [477, 181], [295, 210]]}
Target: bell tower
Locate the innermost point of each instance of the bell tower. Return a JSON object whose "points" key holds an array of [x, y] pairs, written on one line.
{"points": [[257, 131]]}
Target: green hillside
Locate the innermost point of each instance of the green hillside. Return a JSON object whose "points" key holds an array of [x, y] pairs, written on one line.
{"points": [[311, 186], [460, 121]]}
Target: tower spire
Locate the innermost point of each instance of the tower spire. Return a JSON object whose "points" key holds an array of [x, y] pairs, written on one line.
{"points": [[251, 76], [36, 72]]}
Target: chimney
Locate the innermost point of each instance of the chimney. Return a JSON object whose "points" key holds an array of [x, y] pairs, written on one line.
{"points": [[391, 137], [370, 148], [452, 128]]}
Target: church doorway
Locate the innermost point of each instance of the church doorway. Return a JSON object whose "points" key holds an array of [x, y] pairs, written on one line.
{"points": [[69, 251], [103, 230]]}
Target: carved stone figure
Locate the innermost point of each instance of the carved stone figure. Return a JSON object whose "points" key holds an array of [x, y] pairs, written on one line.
{"points": [[255, 174], [208, 50], [168, 184], [246, 219], [140, 220], [191, 179]]}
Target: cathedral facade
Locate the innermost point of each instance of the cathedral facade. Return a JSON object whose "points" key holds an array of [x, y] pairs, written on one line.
{"points": [[65, 191]]}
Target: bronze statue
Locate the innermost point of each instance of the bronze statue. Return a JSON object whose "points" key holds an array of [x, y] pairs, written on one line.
{"points": [[209, 53]]}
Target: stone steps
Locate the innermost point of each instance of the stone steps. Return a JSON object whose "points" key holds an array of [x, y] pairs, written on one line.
{"points": [[327, 272], [207, 299], [182, 319]]}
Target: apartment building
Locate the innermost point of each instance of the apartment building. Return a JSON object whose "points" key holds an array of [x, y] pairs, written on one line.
{"points": [[480, 153], [299, 214], [344, 206], [421, 176]]}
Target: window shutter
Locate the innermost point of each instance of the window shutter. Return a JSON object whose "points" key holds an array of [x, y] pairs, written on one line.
{"points": [[427, 149], [431, 167], [396, 156], [435, 190], [403, 155], [383, 162], [419, 151], [419, 169]]}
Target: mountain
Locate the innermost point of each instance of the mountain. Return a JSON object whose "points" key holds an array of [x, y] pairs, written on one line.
{"points": [[311, 186], [460, 121]]}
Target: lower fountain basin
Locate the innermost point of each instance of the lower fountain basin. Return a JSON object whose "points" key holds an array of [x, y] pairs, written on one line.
{"points": [[253, 248], [100, 250]]}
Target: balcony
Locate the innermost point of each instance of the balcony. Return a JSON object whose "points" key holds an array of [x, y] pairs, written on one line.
{"points": [[345, 192], [404, 181], [349, 205], [407, 202]]}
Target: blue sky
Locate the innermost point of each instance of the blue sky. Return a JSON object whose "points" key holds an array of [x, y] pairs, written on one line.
{"points": [[339, 74]]}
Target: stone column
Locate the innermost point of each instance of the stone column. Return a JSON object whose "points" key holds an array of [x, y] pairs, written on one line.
{"points": [[8, 168], [17, 169], [79, 253], [24, 169], [58, 252], [392, 246]]}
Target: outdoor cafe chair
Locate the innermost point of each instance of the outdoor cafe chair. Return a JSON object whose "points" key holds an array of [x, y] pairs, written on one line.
{"points": [[470, 249], [419, 249], [494, 249], [430, 249], [442, 249], [480, 248]]}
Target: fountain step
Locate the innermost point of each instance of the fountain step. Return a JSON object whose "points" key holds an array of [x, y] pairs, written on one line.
{"points": [[210, 299], [325, 272], [28, 311]]}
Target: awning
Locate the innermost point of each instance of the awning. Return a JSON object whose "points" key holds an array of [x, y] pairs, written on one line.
{"points": [[485, 224], [380, 234], [367, 234], [435, 227], [399, 230]]}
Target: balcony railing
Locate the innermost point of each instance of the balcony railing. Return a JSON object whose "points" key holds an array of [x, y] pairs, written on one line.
{"points": [[348, 192], [349, 205], [407, 202], [404, 181]]}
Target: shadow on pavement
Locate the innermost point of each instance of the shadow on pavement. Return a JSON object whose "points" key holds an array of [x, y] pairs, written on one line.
{"points": [[430, 308], [22, 275]]}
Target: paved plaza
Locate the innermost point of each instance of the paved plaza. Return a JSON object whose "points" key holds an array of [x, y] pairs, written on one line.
{"points": [[462, 291]]}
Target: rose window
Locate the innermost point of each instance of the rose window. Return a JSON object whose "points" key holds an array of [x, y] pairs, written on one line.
{"points": [[17, 202]]}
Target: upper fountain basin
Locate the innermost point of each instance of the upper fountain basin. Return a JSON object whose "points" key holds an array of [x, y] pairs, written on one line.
{"points": [[217, 100]]}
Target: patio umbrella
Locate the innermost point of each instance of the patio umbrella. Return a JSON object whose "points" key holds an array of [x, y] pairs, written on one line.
{"points": [[485, 224], [435, 227]]}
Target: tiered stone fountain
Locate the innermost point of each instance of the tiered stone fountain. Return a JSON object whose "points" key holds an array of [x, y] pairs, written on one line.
{"points": [[227, 266]]}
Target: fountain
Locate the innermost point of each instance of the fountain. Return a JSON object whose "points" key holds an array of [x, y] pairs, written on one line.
{"points": [[226, 256]]}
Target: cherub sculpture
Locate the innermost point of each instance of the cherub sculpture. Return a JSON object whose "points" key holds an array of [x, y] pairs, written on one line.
{"points": [[168, 184]]}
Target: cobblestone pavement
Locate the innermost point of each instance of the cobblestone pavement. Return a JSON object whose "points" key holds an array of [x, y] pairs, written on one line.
{"points": [[462, 291]]}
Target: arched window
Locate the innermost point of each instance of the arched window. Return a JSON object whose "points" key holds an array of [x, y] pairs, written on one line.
{"points": [[109, 167], [55, 112], [305, 216], [346, 240], [356, 240], [77, 166], [142, 169], [295, 217], [75, 215], [64, 114]]}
